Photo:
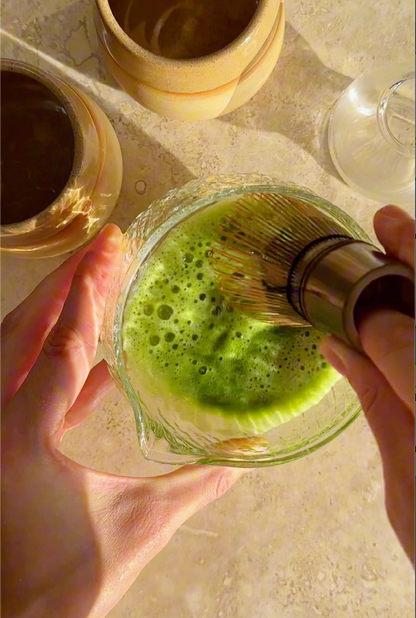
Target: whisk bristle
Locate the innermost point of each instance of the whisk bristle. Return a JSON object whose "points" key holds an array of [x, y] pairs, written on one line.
{"points": [[260, 241]]}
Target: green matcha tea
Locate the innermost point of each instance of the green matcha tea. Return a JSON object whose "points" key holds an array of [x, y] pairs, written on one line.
{"points": [[200, 366]]}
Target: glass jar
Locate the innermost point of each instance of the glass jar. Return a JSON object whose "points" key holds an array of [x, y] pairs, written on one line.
{"points": [[93, 186], [372, 135], [179, 442]]}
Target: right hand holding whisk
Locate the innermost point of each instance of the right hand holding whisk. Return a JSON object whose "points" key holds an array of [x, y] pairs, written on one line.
{"points": [[384, 381]]}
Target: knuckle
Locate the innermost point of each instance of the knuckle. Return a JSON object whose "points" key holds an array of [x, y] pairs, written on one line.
{"points": [[93, 280], [220, 483], [369, 397], [64, 340], [10, 321], [100, 280], [33, 316]]}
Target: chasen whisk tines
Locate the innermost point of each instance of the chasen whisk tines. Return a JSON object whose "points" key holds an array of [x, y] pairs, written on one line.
{"points": [[257, 249], [285, 260]]}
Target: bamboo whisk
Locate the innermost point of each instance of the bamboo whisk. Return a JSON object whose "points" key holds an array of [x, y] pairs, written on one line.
{"points": [[285, 261]]}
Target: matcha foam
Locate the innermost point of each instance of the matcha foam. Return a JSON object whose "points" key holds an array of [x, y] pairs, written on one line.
{"points": [[191, 355]]}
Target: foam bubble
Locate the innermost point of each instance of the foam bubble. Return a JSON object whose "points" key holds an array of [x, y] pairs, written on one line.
{"points": [[165, 312]]}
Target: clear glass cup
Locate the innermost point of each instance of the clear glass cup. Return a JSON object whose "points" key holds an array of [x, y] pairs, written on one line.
{"points": [[372, 134], [163, 436]]}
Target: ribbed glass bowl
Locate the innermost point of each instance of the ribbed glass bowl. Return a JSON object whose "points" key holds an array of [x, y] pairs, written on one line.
{"points": [[167, 439]]}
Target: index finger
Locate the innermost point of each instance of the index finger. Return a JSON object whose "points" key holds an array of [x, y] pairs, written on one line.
{"points": [[395, 230], [63, 365], [25, 329]]}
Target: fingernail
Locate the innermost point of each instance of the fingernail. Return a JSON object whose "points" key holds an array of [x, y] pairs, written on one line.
{"points": [[336, 353]]}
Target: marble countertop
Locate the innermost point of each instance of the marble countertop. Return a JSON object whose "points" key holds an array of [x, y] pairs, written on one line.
{"points": [[310, 538]]}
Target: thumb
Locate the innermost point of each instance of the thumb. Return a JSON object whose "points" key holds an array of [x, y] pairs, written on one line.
{"points": [[393, 426], [389, 418], [190, 488]]}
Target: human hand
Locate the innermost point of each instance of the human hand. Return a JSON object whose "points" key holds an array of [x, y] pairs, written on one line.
{"points": [[384, 381], [73, 539]]}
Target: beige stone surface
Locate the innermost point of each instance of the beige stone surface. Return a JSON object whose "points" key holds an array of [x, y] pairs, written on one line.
{"points": [[309, 538]]}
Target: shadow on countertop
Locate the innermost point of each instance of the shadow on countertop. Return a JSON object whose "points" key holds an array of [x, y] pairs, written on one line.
{"points": [[296, 100], [67, 36]]}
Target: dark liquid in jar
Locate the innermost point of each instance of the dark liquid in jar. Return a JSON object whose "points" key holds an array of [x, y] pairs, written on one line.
{"points": [[37, 147], [183, 29]]}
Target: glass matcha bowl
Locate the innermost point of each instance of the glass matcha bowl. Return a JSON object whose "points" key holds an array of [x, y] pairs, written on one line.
{"points": [[173, 427]]}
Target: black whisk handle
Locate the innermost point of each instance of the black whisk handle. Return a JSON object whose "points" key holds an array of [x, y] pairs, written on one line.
{"points": [[341, 286]]}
